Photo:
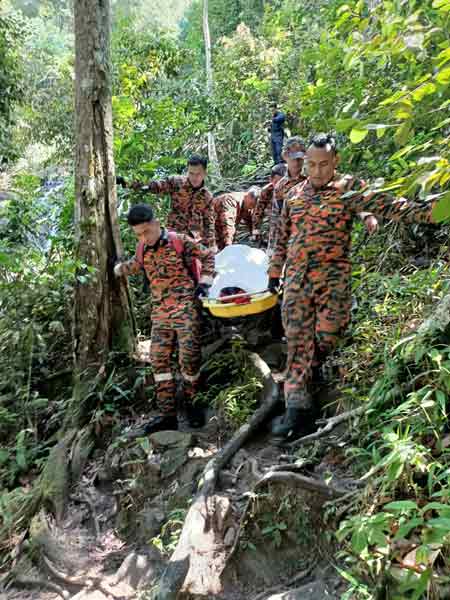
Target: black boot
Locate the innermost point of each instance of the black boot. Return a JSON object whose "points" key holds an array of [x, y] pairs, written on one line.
{"points": [[195, 416], [295, 423], [161, 423]]}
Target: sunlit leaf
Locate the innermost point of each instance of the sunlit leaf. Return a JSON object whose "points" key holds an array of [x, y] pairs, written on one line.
{"points": [[424, 90], [441, 210], [357, 135], [402, 134], [444, 76]]}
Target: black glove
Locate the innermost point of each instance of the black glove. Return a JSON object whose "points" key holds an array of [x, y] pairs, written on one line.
{"points": [[274, 285], [121, 181], [202, 290]]}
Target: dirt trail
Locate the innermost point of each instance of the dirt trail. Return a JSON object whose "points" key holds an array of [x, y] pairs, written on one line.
{"points": [[125, 516]]}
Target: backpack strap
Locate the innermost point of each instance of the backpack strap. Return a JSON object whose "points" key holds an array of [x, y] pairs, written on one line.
{"points": [[194, 266], [140, 254], [176, 242]]}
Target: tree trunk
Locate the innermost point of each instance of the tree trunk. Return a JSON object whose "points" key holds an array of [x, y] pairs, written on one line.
{"points": [[212, 153], [103, 314]]}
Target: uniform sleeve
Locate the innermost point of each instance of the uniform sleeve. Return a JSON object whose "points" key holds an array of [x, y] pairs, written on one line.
{"points": [[163, 186], [362, 199], [264, 201], [283, 234], [209, 232], [194, 250], [227, 216]]}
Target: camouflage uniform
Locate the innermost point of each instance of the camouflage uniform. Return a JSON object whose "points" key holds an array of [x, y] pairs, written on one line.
{"points": [[264, 203], [314, 239], [191, 208], [280, 192], [175, 318], [229, 213]]}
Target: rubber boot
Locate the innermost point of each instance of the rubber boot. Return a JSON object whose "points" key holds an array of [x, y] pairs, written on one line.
{"points": [[296, 422], [161, 423], [195, 415]]}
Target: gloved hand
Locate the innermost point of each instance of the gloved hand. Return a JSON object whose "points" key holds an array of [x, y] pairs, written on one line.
{"points": [[371, 223], [274, 285], [136, 185], [202, 290], [121, 269], [121, 181]]}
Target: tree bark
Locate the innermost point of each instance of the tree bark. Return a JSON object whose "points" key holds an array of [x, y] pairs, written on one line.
{"points": [[103, 318], [212, 153]]}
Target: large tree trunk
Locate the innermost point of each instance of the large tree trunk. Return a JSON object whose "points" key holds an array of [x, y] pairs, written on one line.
{"points": [[212, 153], [103, 314]]}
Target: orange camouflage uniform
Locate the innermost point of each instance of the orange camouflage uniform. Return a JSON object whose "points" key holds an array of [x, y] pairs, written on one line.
{"points": [[229, 213], [191, 208], [264, 203], [175, 317], [313, 244], [281, 190]]}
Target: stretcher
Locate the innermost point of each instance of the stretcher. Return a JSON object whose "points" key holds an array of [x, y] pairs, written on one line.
{"points": [[241, 268]]}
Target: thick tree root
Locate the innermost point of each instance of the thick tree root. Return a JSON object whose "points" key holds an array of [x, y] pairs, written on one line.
{"points": [[32, 582], [201, 555], [306, 483], [329, 425]]}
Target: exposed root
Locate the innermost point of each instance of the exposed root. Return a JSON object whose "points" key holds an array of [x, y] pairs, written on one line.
{"points": [[70, 581], [306, 483], [34, 582], [329, 425]]}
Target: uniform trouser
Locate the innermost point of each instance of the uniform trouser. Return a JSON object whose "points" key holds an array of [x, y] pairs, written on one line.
{"points": [[164, 342], [277, 148], [315, 315]]}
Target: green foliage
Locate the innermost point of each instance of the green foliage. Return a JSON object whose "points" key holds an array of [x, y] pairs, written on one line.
{"points": [[166, 541], [233, 386], [11, 40]]}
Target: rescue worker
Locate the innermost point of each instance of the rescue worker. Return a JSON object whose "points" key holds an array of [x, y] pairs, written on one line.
{"points": [[313, 245], [191, 210], [168, 260], [277, 133], [231, 209], [293, 153], [265, 200]]}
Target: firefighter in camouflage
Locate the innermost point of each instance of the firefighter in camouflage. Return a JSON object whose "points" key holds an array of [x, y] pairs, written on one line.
{"points": [[175, 317], [265, 201], [231, 209], [191, 210], [313, 247]]}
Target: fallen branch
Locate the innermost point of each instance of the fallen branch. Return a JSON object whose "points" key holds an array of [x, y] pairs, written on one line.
{"points": [[67, 579], [200, 556], [329, 425], [306, 483]]}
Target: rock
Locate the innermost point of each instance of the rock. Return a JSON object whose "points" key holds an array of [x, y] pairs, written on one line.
{"points": [[172, 460], [170, 439], [316, 590], [149, 521]]}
